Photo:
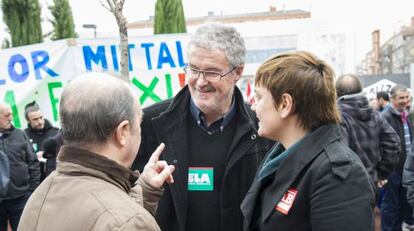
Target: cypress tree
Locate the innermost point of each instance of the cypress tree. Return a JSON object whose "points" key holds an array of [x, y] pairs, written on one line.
{"points": [[169, 17], [22, 18], [63, 25]]}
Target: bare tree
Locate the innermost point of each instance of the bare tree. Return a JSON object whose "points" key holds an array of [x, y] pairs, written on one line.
{"points": [[115, 7]]}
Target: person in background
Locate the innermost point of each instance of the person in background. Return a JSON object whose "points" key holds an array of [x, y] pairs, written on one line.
{"points": [[408, 177], [410, 110], [372, 102], [24, 169], [383, 101], [310, 180], [51, 147], [38, 129], [93, 187], [394, 207], [210, 136], [365, 131]]}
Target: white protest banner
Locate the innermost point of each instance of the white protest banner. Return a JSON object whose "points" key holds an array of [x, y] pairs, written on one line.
{"points": [[39, 72], [382, 85]]}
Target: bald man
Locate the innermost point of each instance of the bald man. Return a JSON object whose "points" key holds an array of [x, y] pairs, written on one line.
{"points": [[365, 131], [24, 169], [93, 187]]}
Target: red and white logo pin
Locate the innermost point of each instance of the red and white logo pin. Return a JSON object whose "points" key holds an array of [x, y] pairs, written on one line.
{"points": [[286, 202]]}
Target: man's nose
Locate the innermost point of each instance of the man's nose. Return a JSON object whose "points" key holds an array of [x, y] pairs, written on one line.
{"points": [[202, 78]]}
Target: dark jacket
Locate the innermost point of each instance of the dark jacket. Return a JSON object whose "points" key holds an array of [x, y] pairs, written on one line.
{"points": [[394, 119], [51, 147], [37, 137], [4, 174], [369, 136], [324, 183], [24, 166], [408, 177], [168, 122]]}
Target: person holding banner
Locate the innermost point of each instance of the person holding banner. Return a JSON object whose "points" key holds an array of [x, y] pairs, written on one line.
{"points": [[210, 136]]}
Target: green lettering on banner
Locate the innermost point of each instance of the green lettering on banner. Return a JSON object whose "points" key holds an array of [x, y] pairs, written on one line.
{"points": [[147, 91], [54, 101], [169, 85], [11, 100]]}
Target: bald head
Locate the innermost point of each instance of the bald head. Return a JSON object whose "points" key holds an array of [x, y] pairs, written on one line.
{"points": [[5, 117], [93, 104], [3, 107], [347, 85]]}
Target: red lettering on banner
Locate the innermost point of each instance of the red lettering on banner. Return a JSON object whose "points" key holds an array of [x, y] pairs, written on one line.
{"points": [[181, 77]]}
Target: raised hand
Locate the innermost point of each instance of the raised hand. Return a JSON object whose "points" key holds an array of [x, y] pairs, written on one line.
{"points": [[156, 171]]}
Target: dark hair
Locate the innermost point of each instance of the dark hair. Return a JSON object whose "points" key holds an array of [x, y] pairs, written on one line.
{"points": [[347, 85], [384, 95], [51, 146], [310, 82], [30, 107]]}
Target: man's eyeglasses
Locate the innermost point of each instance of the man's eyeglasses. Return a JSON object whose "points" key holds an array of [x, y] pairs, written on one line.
{"points": [[211, 76]]}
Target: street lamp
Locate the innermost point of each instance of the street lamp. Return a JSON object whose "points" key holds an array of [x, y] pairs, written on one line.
{"points": [[90, 26]]}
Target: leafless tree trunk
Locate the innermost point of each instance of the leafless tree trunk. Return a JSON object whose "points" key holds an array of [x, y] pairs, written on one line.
{"points": [[115, 7]]}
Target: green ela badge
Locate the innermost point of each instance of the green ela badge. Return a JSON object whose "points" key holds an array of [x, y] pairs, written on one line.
{"points": [[200, 179]]}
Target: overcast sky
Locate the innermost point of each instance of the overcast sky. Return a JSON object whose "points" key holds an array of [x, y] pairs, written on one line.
{"points": [[359, 17]]}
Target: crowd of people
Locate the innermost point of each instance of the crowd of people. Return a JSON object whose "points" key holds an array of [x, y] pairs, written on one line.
{"points": [[311, 152]]}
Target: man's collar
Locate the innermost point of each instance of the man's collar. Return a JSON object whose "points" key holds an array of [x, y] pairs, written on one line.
{"points": [[76, 155], [7, 131], [46, 126], [395, 109], [351, 96], [198, 115]]}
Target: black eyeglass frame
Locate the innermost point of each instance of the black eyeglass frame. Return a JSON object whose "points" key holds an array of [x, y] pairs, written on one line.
{"points": [[204, 75]]}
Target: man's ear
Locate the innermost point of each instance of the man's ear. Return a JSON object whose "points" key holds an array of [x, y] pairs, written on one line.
{"points": [[239, 72], [122, 132], [286, 106]]}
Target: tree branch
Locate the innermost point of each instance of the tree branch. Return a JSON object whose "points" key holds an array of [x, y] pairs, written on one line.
{"points": [[112, 4], [106, 7], [115, 7]]}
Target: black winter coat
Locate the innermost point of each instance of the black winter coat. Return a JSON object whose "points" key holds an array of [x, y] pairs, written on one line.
{"points": [[369, 136], [394, 119], [321, 185], [408, 177], [24, 166], [167, 122]]}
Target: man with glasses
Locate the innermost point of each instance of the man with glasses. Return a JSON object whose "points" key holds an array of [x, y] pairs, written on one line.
{"points": [[209, 134]]}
